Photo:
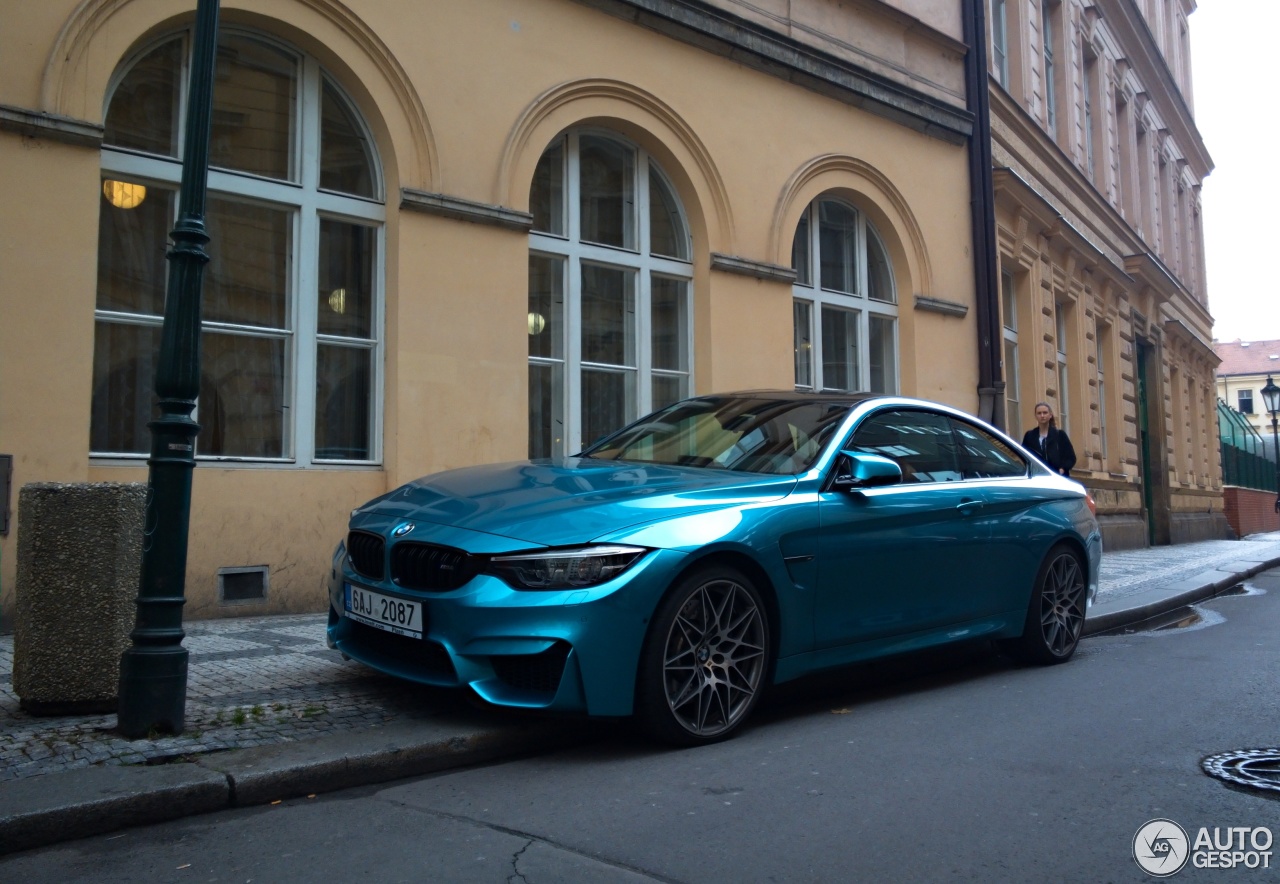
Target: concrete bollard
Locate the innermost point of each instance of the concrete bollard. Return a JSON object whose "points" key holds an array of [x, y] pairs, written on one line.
{"points": [[79, 558]]}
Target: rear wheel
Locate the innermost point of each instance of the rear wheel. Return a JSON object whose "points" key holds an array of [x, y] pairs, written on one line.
{"points": [[704, 660], [1055, 615]]}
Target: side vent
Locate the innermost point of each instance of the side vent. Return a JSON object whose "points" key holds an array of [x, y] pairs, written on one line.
{"points": [[242, 586]]}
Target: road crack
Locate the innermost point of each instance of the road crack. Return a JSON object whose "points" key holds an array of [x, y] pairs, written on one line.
{"points": [[515, 875]]}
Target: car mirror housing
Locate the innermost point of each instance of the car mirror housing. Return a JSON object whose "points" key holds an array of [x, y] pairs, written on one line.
{"points": [[856, 470]]}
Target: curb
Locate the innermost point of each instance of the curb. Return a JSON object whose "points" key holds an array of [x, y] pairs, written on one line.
{"points": [[44, 810], [1148, 605]]}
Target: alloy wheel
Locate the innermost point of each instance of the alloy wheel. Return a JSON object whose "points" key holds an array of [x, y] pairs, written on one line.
{"points": [[1062, 604], [714, 658]]}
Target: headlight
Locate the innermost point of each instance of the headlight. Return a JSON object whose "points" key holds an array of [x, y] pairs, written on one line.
{"points": [[564, 568]]}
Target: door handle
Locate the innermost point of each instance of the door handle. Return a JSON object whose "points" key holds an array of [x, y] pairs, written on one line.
{"points": [[967, 506]]}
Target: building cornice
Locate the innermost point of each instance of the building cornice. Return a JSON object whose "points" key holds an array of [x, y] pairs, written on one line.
{"points": [[762, 49], [464, 210], [50, 127], [748, 267], [939, 305], [1178, 328], [1053, 222]]}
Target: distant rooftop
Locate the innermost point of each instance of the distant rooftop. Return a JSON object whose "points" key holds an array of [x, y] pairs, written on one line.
{"points": [[1248, 357]]}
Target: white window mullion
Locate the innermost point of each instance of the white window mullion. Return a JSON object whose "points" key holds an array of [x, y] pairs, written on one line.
{"points": [[572, 379], [643, 317], [864, 349], [300, 419], [573, 355], [378, 330], [305, 278], [815, 317], [815, 274], [135, 166]]}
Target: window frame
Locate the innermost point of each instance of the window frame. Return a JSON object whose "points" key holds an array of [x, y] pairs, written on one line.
{"points": [[1009, 352], [573, 253], [1102, 336], [809, 295], [1240, 401], [1048, 54], [1061, 333], [1089, 66], [307, 207], [1000, 42]]}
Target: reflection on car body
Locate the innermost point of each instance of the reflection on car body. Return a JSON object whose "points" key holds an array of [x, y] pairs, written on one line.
{"points": [[681, 564]]}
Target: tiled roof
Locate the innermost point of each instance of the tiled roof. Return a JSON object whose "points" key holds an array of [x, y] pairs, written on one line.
{"points": [[1248, 357]]}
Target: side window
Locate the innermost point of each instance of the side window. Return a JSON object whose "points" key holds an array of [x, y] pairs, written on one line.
{"points": [[983, 456], [920, 442]]}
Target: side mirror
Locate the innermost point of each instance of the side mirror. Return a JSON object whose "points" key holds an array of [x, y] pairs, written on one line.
{"points": [[855, 470]]}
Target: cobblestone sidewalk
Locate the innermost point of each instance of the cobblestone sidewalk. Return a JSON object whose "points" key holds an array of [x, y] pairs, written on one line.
{"points": [[1129, 572], [250, 682]]}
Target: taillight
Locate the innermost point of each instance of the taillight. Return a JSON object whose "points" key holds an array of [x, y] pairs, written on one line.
{"points": [[1093, 506]]}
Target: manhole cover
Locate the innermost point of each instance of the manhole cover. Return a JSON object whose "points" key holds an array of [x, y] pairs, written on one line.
{"points": [[1252, 768]]}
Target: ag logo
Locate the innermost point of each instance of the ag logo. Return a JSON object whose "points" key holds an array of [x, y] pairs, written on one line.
{"points": [[402, 529], [1161, 848]]}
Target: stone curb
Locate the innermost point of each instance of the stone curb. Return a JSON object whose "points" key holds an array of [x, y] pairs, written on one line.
{"points": [[62, 806], [1137, 609]]}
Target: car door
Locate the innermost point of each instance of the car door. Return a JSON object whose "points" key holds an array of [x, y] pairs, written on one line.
{"points": [[999, 474], [899, 559], [1019, 513]]}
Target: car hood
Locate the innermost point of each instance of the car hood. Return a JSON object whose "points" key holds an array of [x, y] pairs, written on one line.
{"points": [[570, 500]]}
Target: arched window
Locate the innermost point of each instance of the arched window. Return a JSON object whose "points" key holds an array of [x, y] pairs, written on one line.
{"points": [[292, 299], [845, 312], [609, 292]]}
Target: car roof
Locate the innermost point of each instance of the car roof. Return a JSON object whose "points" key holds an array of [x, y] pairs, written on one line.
{"points": [[796, 396]]}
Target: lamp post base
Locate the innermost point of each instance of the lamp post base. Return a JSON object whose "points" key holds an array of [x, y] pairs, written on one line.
{"points": [[153, 692]]}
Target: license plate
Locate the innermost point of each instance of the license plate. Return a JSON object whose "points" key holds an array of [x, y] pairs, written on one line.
{"points": [[385, 612]]}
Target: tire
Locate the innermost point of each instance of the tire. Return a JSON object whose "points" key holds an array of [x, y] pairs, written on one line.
{"points": [[705, 659], [1055, 614]]}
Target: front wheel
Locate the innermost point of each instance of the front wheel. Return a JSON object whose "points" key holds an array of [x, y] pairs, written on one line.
{"points": [[1055, 615], [704, 660]]}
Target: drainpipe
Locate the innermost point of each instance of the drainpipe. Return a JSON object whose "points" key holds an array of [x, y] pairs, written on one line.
{"points": [[986, 275]]}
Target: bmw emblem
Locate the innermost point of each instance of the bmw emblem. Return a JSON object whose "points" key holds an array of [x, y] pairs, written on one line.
{"points": [[402, 529]]}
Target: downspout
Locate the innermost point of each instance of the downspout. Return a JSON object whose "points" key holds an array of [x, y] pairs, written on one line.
{"points": [[986, 275]]}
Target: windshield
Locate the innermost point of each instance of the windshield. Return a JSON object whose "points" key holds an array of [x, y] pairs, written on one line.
{"points": [[749, 434]]}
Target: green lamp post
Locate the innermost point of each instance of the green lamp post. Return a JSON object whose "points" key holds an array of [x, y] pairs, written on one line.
{"points": [[1271, 399], [153, 670]]}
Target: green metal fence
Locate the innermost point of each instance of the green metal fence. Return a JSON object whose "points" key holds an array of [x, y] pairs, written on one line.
{"points": [[1246, 459]]}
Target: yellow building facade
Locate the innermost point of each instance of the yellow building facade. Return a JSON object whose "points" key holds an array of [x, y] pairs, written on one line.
{"points": [[1104, 306], [452, 233]]}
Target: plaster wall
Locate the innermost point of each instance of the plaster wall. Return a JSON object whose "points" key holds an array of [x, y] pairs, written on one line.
{"points": [[461, 99]]}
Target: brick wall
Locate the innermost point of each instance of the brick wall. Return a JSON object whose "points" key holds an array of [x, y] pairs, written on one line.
{"points": [[1250, 511]]}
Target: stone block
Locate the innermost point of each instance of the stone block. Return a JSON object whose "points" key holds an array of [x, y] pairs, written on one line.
{"points": [[79, 559]]}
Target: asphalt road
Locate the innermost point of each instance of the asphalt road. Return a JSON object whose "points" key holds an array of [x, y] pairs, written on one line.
{"points": [[956, 767]]}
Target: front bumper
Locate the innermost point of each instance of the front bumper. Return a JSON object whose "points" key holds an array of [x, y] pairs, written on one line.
{"points": [[564, 650]]}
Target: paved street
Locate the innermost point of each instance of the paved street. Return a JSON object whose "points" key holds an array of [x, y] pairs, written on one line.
{"points": [[265, 680]]}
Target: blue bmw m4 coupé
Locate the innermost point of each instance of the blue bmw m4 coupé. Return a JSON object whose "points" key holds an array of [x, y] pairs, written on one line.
{"points": [[677, 567]]}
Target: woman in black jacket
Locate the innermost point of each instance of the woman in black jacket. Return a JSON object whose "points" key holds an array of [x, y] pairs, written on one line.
{"points": [[1048, 443]]}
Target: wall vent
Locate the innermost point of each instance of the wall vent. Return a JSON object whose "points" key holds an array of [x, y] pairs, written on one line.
{"points": [[242, 586]]}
